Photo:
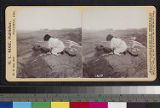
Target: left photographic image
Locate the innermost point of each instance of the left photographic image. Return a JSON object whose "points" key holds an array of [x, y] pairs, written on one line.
{"points": [[48, 43]]}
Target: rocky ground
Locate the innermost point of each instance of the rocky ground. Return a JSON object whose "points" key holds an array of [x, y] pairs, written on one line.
{"points": [[100, 65], [34, 64], [103, 65], [50, 66]]}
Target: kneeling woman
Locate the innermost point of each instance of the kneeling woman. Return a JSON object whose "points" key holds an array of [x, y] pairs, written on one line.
{"points": [[56, 45]]}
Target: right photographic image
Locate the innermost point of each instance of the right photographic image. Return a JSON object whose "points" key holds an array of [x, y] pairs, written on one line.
{"points": [[114, 42]]}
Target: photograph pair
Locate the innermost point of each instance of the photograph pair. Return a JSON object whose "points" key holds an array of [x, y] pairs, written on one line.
{"points": [[80, 43]]}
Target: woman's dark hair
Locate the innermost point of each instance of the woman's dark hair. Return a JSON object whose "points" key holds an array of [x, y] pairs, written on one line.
{"points": [[46, 37], [109, 37]]}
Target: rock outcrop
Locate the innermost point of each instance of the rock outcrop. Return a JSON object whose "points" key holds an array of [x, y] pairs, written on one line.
{"points": [[43, 65], [117, 66]]}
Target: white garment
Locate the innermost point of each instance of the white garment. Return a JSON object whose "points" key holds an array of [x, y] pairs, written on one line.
{"points": [[55, 45], [118, 45]]}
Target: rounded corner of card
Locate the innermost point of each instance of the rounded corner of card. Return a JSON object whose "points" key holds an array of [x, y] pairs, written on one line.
{"points": [[8, 79], [154, 78], [8, 8], [154, 8]]}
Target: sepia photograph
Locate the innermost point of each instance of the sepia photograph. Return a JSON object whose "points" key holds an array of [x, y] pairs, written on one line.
{"points": [[115, 42], [80, 43], [48, 43]]}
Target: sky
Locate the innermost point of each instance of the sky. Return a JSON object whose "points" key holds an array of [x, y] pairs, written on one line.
{"points": [[47, 18], [117, 18]]}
